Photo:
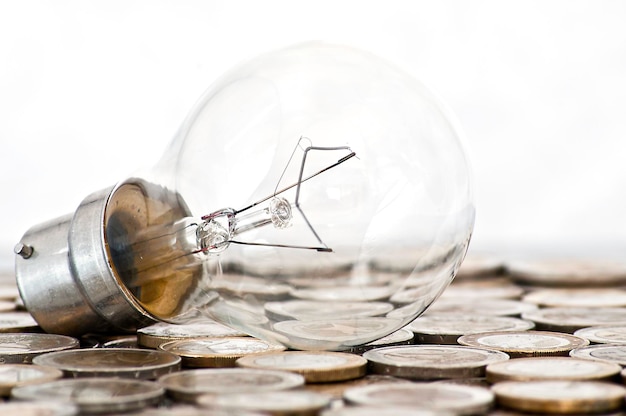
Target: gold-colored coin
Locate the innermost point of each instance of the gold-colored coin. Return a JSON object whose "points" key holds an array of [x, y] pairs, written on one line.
{"points": [[314, 366], [552, 368]]}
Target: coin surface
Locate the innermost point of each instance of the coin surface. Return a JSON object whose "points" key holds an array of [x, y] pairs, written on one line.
{"points": [[124, 342], [337, 389], [17, 322], [561, 319], [6, 306], [18, 348], [188, 385], [38, 409], [604, 334], [603, 352], [13, 375], [478, 306], [154, 335], [461, 400], [314, 366], [484, 289], [344, 293], [319, 310], [525, 343], [111, 362], [273, 402], [218, 352], [94, 395], [578, 298], [229, 285], [567, 272], [551, 368], [559, 397], [429, 362], [446, 328], [389, 410], [480, 265], [402, 336]]}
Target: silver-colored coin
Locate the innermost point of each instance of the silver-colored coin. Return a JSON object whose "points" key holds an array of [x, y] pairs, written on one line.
{"points": [[578, 298], [477, 266], [341, 331], [37, 409], [525, 343], [478, 306], [16, 348], [567, 272], [430, 362], [6, 306], [402, 336], [13, 375], [336, 390], [190, 384], [229, 285], [572, 319], [304, 310], [560, 397], [189, 410], [218, 352], [17, 322], [344, 293], [314, 366], [154, 335], [483, 289], [111, 362], [603, 352], [461, 400], [9, 292], [389, 410], [551, 368], [604, 334], [447, 328], [297, 402], [94, 395]]}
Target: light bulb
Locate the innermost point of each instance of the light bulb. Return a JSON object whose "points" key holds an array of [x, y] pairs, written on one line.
{"points": [[316, 196]]}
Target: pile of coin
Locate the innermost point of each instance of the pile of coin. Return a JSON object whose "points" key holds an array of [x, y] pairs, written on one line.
{"points": [[506, 338]]}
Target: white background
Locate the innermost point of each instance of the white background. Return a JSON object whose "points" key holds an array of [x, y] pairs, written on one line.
{"points": [[91, 91]]}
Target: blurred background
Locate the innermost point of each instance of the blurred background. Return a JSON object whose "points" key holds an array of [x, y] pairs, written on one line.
{"points": [[92, 91]]}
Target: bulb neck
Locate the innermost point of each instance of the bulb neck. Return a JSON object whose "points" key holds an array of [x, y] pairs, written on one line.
{"points": [[66, 279]]}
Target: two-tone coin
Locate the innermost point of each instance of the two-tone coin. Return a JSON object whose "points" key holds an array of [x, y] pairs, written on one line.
{"points": [[18, 348], [461, 400], [447, 328], [14, 375], [525, 343], [430, 362], [111, 362], [603, 352], [17, 322], [567, 272], [560, 397], [604, 334], [478, 306], [218, 352], [188, 385], [578, 297], [303, 310], [314, 366], [552, 368], [94, 395], [278, 403], [562, 319], [154, 335]]}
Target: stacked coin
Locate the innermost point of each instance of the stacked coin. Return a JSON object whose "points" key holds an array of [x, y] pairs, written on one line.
{"points": [[502, 339]]}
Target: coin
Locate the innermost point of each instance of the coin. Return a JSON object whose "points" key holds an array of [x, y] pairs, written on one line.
{"points": [[344, 293], [604, 334], [9, 292], [13, 375], [336, 390], [559, 397], [217, 352], [16, 348], [567, 272], [188, 410], [402, 336], [38, 409], [429, 362], [480, 266], [551, 368], [124, 342], [229, 285], [578, 298], [302, 403], [6, 306], [478, 306], [315, 366], [154, 335], [113, 362], [94, 395], [188, 385], [446, 328], [569, 320], [310, 309], [308, 334], [603, 352], [17, 322], [483, 289], [389, 410], [461, 400], [525, 343]]}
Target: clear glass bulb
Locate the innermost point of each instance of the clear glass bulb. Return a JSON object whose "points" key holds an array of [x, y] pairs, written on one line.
{"points": [[316, 196]]}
